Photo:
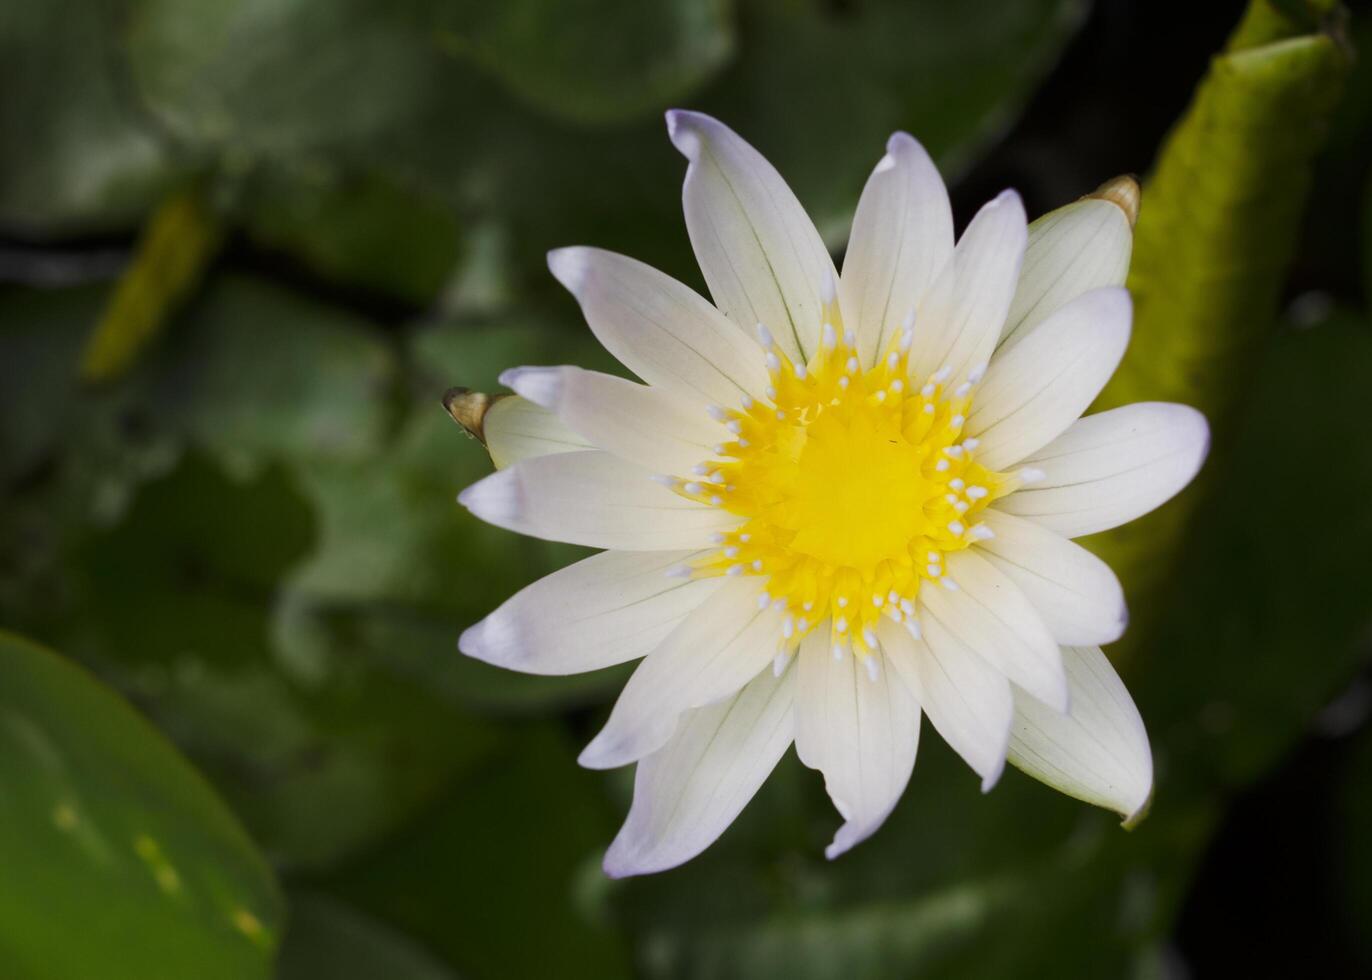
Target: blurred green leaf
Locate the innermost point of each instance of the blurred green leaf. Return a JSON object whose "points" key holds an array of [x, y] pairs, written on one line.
{"points": [[380, 95], [491, 879], [238, 82], [42, 332], [327, 940], [257, 372], [119, 860], [80, 155], [320, 747], [362, 230], [553, 54], [1215, 237], [1238, 664]]}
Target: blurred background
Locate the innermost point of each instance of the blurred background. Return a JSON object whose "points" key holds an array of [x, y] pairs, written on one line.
{"points": [[245, 245]]}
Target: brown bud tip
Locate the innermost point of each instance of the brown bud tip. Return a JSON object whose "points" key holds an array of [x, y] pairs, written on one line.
{"points": [[468, 409], [1122, 191]]}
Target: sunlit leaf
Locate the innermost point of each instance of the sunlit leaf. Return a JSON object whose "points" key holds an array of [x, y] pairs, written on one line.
{"points": [[1215, 237]]}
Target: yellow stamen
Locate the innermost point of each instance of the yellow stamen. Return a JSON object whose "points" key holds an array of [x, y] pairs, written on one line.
{"points": [[854, 486]]}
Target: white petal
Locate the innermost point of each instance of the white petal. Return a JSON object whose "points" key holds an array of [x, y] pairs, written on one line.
{"points": [[717, 649], [967, 700], [594, 499], [1040, 386], [1076, 593], [517, 429], [860, 732], [687, 792], [1073, 250], [1098, 751], [961, 315], [660, 329], [902, 238], [761, 255], [990, 615], [603, 610], [644, 425], [1110, 468]]}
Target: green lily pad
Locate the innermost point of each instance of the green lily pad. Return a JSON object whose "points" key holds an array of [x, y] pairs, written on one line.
{"points": [[119, 859]]}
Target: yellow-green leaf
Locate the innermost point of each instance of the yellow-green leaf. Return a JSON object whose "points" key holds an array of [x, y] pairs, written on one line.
{"points": [[1220, 217], [181, 238]]}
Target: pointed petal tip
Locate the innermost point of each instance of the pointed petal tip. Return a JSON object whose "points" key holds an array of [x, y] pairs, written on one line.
{"points": [[1123, 192], [897, 145], [988, 781], [620, 862], [540, 385], [992, 775], [900, 140], [601, 753], [469, 642], [1200, 433], [684, 128], [1118, 296], [495, 498], [847, 837], [1132, 820], [615, 863], [492, 640], [570, 266], [1008, 198], [1123, 623]]}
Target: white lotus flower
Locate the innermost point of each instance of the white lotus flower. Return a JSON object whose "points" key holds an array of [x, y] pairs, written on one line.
{"points": [[837, 503]]}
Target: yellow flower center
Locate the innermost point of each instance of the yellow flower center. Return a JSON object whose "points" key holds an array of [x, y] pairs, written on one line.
{"points": [[854, 486]]}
